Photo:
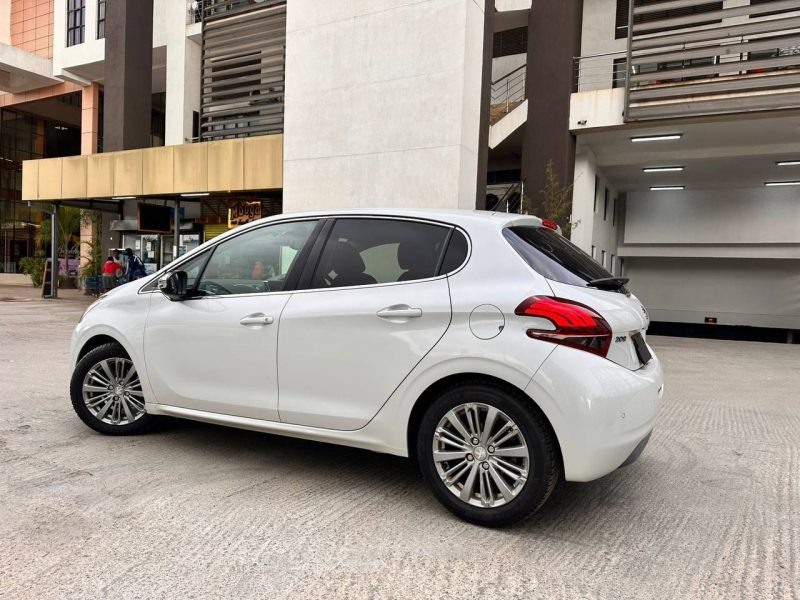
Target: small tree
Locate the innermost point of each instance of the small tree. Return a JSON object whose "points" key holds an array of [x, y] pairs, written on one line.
{"points": [[556, 201]]}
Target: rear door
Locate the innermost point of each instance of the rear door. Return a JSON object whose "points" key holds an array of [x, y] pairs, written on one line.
{"points": [[374, 308], [568, 270]]}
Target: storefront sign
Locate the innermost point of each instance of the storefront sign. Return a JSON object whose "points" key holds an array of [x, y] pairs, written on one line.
{"points": [[241, 212]]}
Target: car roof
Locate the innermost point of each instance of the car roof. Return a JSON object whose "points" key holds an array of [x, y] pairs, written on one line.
{"points": [[461, 217]]}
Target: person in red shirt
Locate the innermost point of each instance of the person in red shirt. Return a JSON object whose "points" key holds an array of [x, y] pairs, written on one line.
{"points": [[110, 271]]}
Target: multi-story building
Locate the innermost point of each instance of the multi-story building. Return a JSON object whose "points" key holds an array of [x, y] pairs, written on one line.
{"points": [[675, 120], [688, 155]]}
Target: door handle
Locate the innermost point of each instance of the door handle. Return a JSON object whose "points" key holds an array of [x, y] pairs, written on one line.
{"points": [[256, 320], [400, 312]]}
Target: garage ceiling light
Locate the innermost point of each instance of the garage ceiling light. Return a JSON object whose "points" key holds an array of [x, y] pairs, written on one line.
{"points": [[667, 188], [123, 197], [194, 195], [657, 138], [788, 163], [662, 169], [781, 183]]}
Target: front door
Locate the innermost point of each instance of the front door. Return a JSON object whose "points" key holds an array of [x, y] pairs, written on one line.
{"points": [[217, 351], [374, 310]]}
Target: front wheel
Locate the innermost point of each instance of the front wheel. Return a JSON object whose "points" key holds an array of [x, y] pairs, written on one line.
{"points": [[487, 454], [107, 394]]}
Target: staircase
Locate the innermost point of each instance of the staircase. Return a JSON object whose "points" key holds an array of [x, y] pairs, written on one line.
{"points": [[508, 106]]}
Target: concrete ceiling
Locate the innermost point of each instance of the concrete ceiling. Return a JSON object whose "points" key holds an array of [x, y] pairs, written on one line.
{"points": [[716, 155]]}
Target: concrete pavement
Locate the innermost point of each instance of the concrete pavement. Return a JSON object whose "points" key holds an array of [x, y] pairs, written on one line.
{"points": [[711, 510]]}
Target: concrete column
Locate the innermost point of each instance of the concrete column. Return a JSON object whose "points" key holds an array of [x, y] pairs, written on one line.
{"points": [[128, 74], [365, 126], [183, 77], [554, 39], [583, 199], [486, 97], [90, 118]]}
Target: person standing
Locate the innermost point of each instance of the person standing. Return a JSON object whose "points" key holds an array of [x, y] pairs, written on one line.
{"points": [[135, 266], [110, 271]]}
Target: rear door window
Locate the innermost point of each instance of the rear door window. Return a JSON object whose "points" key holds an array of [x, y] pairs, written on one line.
{"points": [[553, 256], [370, 251]]}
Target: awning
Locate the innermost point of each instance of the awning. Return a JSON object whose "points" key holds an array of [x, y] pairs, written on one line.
{"points": [[226, 166]]}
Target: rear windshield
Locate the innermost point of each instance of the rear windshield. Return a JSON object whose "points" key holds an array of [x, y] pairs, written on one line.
{"points": [[553, 256]]}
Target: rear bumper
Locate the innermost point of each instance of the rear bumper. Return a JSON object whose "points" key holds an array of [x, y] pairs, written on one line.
{"points": [[637, 452], [602, 413]]}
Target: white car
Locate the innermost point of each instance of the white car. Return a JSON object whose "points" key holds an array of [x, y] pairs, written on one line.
{"points": [[485, 345]]}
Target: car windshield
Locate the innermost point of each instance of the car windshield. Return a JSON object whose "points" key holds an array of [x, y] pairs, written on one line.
{"points": [[553, 256]]}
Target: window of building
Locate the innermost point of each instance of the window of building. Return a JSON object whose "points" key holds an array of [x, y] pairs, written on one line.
{"points": [[611, 267], [621, 30], [619, 73], [605, 205], [511, 41], [596, 191], [614, 213], [101, 19], [603, 260], [370, 251], [76, 21], [594, 253]]}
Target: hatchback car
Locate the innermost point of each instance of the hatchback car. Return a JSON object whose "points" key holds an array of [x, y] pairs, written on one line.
{"points": [[484, 345]]}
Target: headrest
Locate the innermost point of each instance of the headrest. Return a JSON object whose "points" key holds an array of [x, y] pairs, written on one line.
{"points": [[346, 260]]}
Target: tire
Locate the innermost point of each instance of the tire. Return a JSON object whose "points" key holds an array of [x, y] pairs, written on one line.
{"points": [[99, 408], [528, 462]]}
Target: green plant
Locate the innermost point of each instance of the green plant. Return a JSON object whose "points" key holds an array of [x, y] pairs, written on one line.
{"points": [[556, 201], [93, 263], [33, 266], [69, 222]]}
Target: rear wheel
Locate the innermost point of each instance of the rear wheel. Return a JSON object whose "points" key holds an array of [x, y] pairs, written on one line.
{"points": [[107, 393], [487, 454]]}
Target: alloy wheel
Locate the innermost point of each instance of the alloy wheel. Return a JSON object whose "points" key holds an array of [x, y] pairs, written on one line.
{"points": [[113, 393], [481, 455]]}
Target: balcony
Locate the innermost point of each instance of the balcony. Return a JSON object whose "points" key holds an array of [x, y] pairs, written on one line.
{"points": [[735, 60]]}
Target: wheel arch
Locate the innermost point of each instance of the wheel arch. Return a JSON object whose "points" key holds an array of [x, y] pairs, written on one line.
{"points": [[432, 391], [95, 342]]}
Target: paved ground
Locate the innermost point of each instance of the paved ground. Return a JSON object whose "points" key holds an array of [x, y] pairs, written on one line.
{"points": [[711, 510]]}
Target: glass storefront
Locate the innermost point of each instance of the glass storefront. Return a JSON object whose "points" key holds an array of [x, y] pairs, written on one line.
{"points": [[23, 137], [156, 250]]}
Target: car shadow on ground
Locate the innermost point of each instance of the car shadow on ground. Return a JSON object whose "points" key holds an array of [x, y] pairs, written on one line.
{"points": [[569, 501]]}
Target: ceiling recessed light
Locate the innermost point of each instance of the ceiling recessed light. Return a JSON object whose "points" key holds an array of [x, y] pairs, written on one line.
{"points": [[194, 195], [123, 197], [788, 163], [662, 169], [781, 183], [657, 138], [667, 188]]}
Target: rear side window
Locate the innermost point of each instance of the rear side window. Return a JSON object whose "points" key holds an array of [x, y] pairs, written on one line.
{"points": [[553, 256], [456, 252], [370, 251]]}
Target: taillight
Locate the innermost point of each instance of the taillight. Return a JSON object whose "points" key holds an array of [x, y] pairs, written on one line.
{"points": [[550, 224], [576, 325]]}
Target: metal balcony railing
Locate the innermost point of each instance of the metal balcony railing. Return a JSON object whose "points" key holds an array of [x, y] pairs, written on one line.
{"points": [[701, 64], [731, 60], [599, 71], [194, 11], [508, 92]]}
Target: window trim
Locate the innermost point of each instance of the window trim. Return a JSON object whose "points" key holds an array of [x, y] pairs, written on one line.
{"points": [[81, 28], [101, 21], [313, 261]]}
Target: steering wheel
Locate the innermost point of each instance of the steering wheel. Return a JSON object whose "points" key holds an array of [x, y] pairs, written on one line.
{"points": [[213, 288]]}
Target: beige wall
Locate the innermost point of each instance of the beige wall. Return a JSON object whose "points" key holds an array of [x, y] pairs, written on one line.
{"points": [[231, 165]]}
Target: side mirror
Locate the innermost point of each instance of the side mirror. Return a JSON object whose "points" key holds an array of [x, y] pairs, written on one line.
{"points": [[174, 285]]}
